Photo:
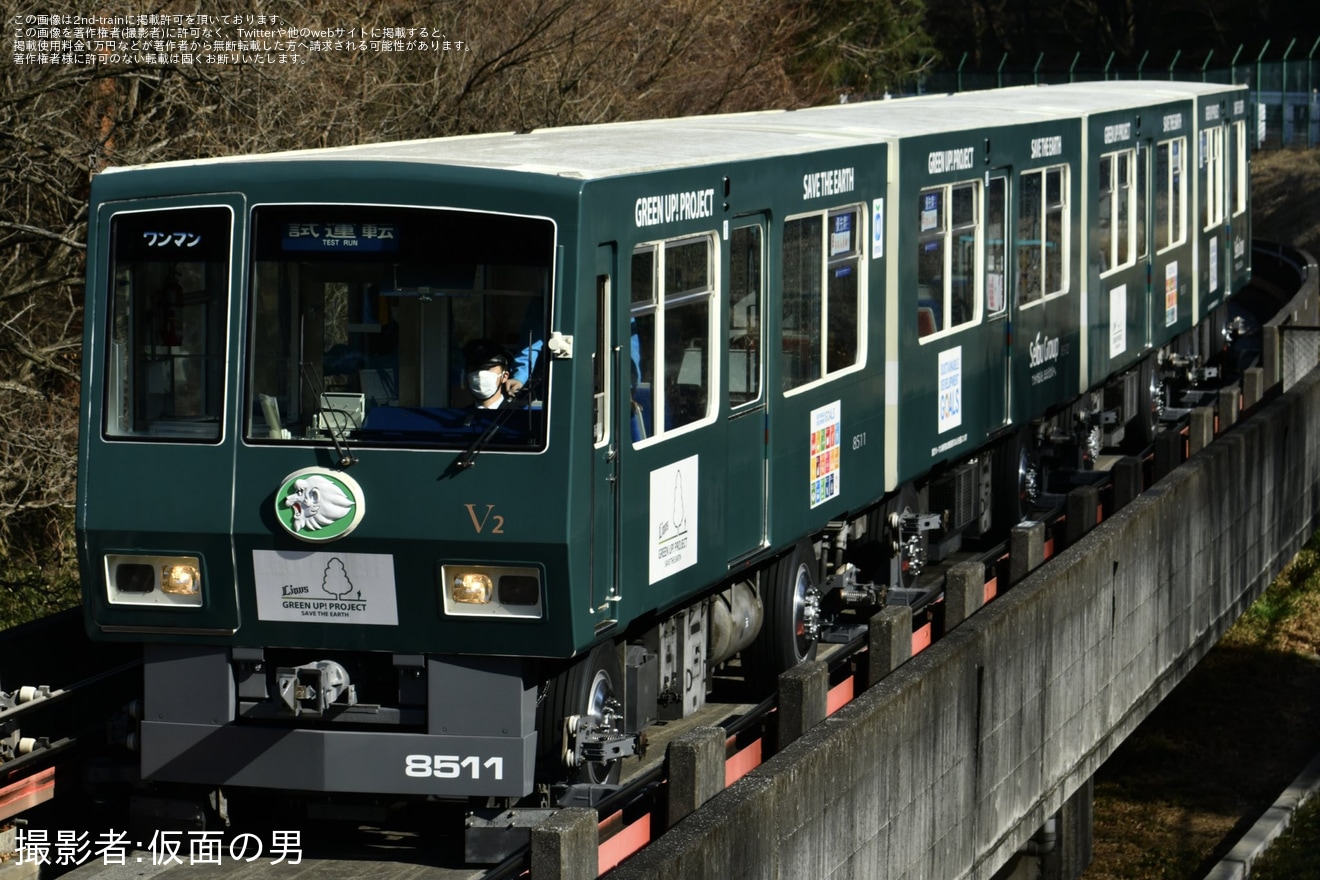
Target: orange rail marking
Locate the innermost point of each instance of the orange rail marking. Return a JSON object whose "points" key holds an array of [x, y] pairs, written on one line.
{"points": [[27, 793], [1049, 549], [742, 763], [628, 841], [839, 696], [611, 824], [921, 639], [991, 589]]}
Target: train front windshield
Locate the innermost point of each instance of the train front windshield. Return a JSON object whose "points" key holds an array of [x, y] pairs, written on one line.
{"points": [[369, 323]]}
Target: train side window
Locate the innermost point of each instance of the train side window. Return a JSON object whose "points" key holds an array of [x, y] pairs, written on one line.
{"points": [[1056, 233], [645, 302], [1142, 159], [600, 363], [996, 279], [800, 328], [1170, 194], [822, 295], [1242, 184], [672, 297], [745, 278], [949, 245], [1043, 234], [1116, 211], [1212, 176]]}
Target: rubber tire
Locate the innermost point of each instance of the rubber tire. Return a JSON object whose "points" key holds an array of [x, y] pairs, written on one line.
{"points": [[908, 499], [1140, 431], [570, 693], [1008, 501], [777, 647]]}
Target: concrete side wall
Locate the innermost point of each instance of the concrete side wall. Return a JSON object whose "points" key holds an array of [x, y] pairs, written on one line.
{"points": [[949, 764]]}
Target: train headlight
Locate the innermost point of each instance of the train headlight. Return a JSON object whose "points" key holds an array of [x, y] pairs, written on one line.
{"points": [[163, 581], [181, 580], [472, 588], [490, 591]]}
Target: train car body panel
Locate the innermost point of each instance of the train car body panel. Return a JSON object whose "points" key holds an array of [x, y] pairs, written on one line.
{"points": [[1140, 269], [1221, 224], [679, 468], [992, 347]]}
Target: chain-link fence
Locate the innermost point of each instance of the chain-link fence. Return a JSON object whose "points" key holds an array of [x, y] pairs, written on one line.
{"points": [[1285, 91], [1290, 341], [1300, 352]]}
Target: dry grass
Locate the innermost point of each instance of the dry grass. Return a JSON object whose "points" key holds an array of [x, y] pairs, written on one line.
{"points": [[1285, 192], [1203, 767]]}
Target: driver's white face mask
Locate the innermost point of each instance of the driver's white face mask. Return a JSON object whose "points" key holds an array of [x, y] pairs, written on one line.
{"points": [[484, 383]]}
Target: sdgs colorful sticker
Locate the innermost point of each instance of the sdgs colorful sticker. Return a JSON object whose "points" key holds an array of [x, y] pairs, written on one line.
{"points": [[825, 433], [318, 586], [317, 504]]}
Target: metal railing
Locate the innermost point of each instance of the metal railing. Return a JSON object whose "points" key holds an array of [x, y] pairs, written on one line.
{"points": [[1284, 86], [1300, 350]]}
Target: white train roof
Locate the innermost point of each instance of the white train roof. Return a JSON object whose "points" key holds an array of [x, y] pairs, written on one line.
{"points": [[616, 149]]}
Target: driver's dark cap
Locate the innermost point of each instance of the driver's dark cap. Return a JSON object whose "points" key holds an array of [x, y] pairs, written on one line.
{"points": [[479, 354]]}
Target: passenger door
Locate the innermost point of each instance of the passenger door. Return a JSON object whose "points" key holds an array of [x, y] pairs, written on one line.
{"points": [[745, 524]]}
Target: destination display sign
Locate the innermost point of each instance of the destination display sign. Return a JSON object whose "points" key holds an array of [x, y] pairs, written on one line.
{"points": [[325, 237]]}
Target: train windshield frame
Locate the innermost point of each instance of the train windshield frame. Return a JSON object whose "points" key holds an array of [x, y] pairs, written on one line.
{"points": [[366, 324]]}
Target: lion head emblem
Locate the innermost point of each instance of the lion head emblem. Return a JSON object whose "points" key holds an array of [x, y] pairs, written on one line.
{"points": [[317, 502]]}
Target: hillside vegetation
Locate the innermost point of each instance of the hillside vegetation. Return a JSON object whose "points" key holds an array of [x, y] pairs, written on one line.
{"points": [[1286, 198]]}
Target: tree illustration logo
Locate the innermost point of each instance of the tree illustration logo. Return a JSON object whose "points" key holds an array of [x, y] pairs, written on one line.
{"points": [[336, 581]]}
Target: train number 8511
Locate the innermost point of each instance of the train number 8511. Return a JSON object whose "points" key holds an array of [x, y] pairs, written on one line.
{"points": [[453, 766]]}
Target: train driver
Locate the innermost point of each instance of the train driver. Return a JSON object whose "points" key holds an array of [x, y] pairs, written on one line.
{"points": [[487, 372]]}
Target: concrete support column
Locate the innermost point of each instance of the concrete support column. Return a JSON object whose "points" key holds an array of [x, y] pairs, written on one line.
{"points": [[1202, 429], [803, 697], [964, 592], [696, 770], [1253, 386], [889, 642], [1168, 453], [565, 846], [1026, 548], [1125, 477], [1269, 355], [1062, 848], [1074, 842], [1228, 407], [1082, 504]]}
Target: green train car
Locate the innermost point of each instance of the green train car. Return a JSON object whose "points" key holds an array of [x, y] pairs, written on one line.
{"points": [[443, 468]]}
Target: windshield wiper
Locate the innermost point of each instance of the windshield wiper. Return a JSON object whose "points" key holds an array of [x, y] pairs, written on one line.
{"points": [[523, 398], [346, 457]]}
